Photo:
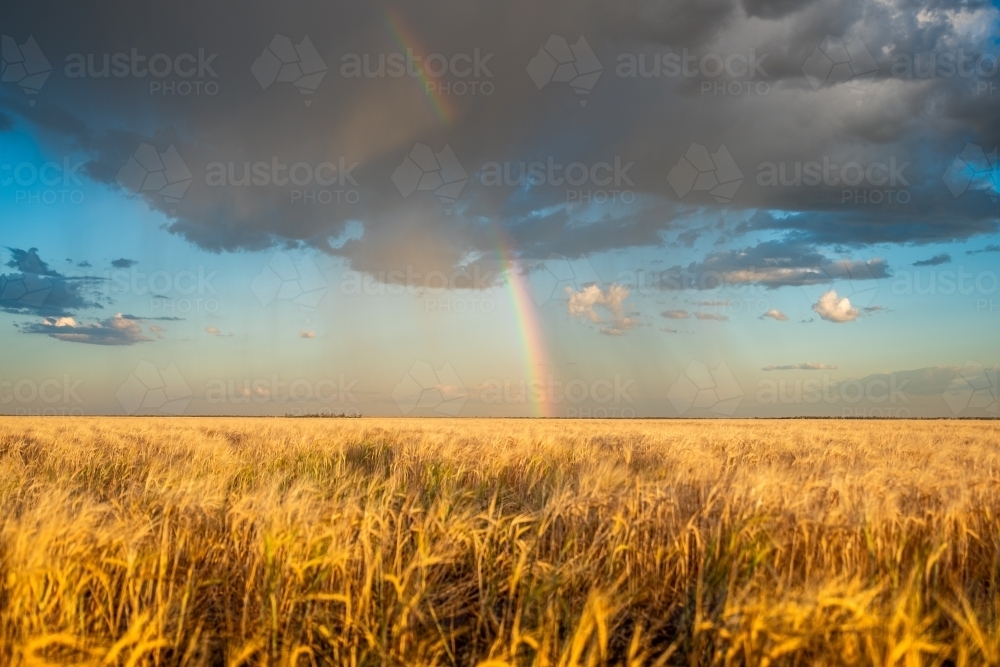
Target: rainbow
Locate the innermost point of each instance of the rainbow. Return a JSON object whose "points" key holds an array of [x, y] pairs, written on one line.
{"points": [[532, 341], [405, 38], [530, 332]]}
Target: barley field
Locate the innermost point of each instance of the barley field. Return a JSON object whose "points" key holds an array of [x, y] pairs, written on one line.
{"points": [[146, 541]]}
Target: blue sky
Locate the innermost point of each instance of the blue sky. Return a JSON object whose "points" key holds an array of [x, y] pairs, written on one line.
{"points": [[673, 251]]}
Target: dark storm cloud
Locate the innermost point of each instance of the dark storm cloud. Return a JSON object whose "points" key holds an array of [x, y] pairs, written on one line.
{"points": [[28, 261], [540, 235], [123, 263], [901, 131], [773, 264], [864, 228], [35, 288], [39, 290], [942, 258], [772, 9], [990, 248], [151, 319]]}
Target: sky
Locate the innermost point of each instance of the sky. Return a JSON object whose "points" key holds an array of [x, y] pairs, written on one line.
{"points": [[694, 208]]}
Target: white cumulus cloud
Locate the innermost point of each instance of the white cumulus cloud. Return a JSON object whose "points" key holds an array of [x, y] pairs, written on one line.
{"points": [[834, 308], [583, 304]]}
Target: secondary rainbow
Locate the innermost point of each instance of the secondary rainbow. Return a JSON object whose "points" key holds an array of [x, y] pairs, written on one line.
{"points": [[441, 106]]}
